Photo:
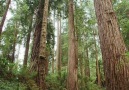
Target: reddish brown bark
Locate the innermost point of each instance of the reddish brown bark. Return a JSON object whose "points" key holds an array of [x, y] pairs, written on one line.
{"points": [[112, 47], [4, 16], [39, 61], [42, 48], [72, 83], [34, 66]]}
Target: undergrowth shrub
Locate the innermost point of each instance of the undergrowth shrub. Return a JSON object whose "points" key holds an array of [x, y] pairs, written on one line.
{"points": [[54, 83], [12, 85], [3, 67], [85, 83], [15, 77]]}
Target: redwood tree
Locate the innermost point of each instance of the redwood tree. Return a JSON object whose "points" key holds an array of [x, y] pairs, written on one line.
{"points": [[42, 48], [112, 47], [72, 53], [36, 42]]}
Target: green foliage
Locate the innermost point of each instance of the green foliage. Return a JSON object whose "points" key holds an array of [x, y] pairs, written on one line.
{"points": [[2, 7], [23, 75], [7, 39], [64, 48], [11, 85], [93, 86], [32, 85], [15, 77], [3, 66], [86, 83], [122, 11], [54, 83], [50, 36]]}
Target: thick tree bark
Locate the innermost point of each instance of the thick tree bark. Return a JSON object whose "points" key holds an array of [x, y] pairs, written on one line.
{"points": [[112, 47], [98, 79], [47, 62], [42, 48], [4, 16], [34, 66], [72, 83]]}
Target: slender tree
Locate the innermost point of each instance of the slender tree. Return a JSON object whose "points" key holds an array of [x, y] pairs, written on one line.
{"points": [[53, 59], [59, 47], [4, 16], [72, 53], [97, 61], [27, 43], [26, 50], [112, 47]]}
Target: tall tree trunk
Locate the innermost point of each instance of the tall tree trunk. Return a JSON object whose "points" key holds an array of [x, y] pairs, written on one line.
{"points": [[53, 52], [26, 50], [4, 16], [34, 66], [97, 62], [42, 48], [72, 83], [27, 44], [112, 47], [59, 47]]}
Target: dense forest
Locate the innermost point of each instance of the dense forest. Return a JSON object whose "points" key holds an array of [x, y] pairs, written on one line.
{"points": [[64, 44]]}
